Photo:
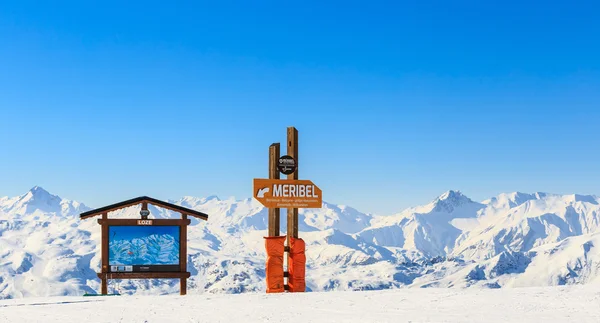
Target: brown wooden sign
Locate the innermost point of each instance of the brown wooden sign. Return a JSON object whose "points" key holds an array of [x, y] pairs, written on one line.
{"points": [[175, 271], [278, 193], [291, 194], [144, 222]]}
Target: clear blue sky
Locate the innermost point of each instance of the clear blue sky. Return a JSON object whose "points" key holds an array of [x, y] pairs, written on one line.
{"points": [[396, 102]]}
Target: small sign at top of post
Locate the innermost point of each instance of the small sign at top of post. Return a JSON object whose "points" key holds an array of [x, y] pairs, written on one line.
{"points": [[286, 164]]}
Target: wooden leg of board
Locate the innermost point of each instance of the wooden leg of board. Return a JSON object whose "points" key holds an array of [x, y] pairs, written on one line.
{"points": [[104, 286], [183, 286]]}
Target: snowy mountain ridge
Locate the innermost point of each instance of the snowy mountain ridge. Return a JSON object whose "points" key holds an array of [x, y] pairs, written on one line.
{"points": [[513, 239], [39, 201]]}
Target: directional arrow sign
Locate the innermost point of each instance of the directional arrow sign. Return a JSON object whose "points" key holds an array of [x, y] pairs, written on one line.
{"points": [[282, 193]]}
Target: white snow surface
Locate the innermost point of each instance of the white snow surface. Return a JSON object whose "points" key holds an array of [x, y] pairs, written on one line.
{"points": [[512, 240], [547, 304]]}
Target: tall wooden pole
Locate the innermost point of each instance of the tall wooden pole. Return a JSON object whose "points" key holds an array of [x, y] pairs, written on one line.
{"points": [[274, 218], [292, 213]]}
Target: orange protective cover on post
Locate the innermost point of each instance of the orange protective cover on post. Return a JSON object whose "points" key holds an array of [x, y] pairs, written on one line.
{"points": [[297, 265], [274, 265]]}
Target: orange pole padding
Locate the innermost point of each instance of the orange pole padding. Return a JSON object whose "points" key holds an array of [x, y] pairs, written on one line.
{"points": [[274, 264], [297, 265]]}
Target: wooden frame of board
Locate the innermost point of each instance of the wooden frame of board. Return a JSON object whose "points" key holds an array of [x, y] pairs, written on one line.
{"points": [[105, 274]]}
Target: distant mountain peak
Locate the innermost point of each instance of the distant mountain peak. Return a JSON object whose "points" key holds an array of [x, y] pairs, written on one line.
{"points": [[452, 195], [37, 199], [212, 197], [449, 200], [37, 190], [37, 193]]}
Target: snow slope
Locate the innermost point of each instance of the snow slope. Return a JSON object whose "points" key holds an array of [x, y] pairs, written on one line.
{"points": [[511, 240], [550, 304]]}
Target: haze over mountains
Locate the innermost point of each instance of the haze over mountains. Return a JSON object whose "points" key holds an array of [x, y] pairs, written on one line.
{"points": [[511, 240]]}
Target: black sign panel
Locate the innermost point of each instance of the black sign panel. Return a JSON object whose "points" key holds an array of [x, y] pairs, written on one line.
{"points": [[286, 164]]}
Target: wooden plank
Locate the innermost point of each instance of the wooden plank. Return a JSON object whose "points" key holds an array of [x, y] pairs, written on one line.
{"points": [[104, 254], [305, 194], [176, 208], [292, 150], [112, 207], [182, 286], [104, 243], [145, 275], [142, 199], [183, 245], [104, 287], [274, 213], [183, 255], [154, 221]]}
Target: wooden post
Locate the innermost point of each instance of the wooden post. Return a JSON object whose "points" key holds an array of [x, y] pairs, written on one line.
{"points": [[183, 256], [292, 213], [274, 213], [104, 256]]}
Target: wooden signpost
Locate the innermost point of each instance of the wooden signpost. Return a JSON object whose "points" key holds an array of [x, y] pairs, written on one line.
{"points": [[281, 193], [292, 213], [274, 213], [291, 193], [145, 271]]}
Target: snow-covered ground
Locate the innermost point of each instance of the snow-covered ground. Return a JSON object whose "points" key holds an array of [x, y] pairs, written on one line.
{"points": [[548, 304]]}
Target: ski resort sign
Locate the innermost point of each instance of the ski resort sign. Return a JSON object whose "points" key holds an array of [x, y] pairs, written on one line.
{"points": [[291, 194], [277, 193], [130, 249]]}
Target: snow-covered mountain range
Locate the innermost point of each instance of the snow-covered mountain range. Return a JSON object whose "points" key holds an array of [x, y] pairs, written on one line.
{"points": [[511, 240]]}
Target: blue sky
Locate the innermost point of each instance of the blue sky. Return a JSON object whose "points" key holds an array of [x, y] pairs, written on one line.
{"points": [[395, 102]]}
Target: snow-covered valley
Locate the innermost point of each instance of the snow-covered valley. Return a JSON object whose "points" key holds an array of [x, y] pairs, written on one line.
{"points": [[512, 240]]}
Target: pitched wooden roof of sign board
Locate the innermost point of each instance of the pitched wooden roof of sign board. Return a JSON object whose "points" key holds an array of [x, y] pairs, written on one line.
{"points": [[142, 199]]}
